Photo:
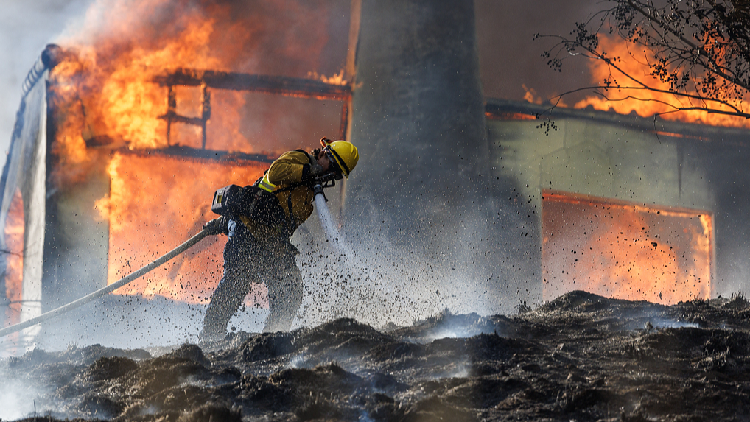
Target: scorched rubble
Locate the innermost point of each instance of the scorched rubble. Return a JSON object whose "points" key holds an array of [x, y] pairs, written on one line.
{"points": [[580, 357]]}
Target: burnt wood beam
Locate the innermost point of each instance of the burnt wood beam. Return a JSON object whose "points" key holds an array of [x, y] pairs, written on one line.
{"points": [[174, 117], [297, 87]]}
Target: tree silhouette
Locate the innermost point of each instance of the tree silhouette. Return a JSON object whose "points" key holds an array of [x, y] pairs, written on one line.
{"points": [[694, 54]]}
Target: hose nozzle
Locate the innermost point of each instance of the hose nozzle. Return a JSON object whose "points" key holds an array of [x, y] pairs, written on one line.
{"points": [[318, 190], [323, 181]]}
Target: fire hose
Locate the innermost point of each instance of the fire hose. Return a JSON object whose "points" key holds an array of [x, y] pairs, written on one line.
{"points": [[105, 290]]}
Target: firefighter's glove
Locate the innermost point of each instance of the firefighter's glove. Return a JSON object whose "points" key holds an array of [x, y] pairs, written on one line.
{"points": [[217, 226]]}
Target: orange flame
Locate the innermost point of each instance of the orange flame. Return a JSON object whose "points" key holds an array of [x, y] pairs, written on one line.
{"points": [[648, 103], [337, 79], [107, 89], [625, 251], [148, 225], [532, 96], [121, 99], [104, 98]]}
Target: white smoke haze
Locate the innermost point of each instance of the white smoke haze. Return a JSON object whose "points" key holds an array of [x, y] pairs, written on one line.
{"points": [[738, 276], [17, 398], [26, 27], [96, 22]]}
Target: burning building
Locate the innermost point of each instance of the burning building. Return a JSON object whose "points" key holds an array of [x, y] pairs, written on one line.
{"points": [[474, 206], [617, 205]]}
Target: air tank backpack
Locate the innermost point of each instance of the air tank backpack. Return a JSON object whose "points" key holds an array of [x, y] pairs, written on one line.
{"points": [[253, 202], [249, 201]]}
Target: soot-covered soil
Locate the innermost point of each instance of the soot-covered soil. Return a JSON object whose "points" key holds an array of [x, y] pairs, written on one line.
{"points": [[581, 357]]}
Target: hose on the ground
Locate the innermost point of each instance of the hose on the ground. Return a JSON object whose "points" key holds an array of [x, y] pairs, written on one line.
{"points": [[104, 290]]}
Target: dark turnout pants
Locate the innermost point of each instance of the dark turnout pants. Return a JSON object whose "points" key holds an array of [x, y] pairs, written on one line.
{"points": [[248, 261]]}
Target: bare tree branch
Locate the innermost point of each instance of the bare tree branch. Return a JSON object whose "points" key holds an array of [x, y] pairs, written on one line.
{"points": [[696, 51], [715, 67]]}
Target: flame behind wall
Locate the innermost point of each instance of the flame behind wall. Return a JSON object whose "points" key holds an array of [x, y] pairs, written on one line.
{"points": [[625, 250], [148, 225], [647, 103]]}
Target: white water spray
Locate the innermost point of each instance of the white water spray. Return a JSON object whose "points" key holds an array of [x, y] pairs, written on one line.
{"points": [[358, 278], [330, 228], [355, 277]]}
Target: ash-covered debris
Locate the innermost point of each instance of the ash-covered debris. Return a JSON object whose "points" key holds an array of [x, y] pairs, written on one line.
{"points": [[580, 357]]}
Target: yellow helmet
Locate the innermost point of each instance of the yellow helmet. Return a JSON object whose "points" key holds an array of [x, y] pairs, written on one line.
{"points": [[344, 154]]}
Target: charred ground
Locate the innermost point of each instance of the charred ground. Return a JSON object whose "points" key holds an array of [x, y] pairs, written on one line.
{"points": [[580, 357]]}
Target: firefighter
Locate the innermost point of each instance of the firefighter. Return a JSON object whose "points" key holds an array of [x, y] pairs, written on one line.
{"points": [[261, 252]]}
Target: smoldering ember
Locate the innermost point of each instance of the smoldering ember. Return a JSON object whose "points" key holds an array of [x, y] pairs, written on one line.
{"points": [[500, 251]]}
